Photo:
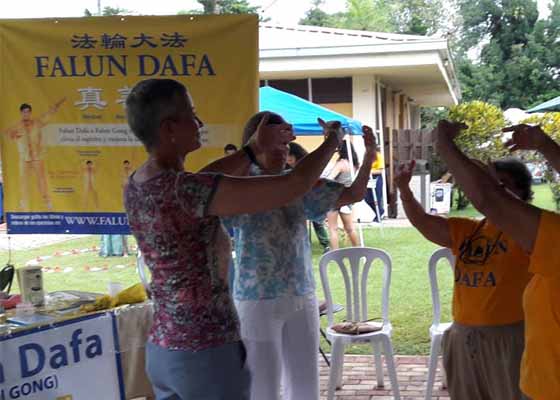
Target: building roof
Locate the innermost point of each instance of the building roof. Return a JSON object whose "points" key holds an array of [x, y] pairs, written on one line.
{"points": [[279, 37], [421, 66]]}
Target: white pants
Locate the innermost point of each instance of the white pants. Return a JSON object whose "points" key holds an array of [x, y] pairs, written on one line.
{"points": [[282, 341]]}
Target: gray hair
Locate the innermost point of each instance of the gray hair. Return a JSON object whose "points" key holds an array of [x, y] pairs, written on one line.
{"points": [[150, 102], [255, 120]]}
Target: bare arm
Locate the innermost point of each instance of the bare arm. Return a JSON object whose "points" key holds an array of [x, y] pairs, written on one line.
{"points": [[12, 132], [512, 215], [44, 118], [432, 227], [357, 191], [256, 194], [526, 137], [236, 164]]}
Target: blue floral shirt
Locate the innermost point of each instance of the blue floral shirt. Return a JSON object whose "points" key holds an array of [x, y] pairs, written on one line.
{"points": [[273, 253]]}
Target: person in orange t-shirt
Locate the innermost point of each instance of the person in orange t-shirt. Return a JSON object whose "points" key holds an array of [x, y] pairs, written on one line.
{"points": [[536, 231], [483, 347]]}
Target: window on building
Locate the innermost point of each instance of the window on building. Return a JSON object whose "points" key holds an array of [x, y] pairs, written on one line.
{"points": [[331, 90], [296, 87]]}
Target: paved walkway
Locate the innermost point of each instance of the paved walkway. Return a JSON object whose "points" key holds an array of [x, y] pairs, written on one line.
{"points": [[359, 379]]}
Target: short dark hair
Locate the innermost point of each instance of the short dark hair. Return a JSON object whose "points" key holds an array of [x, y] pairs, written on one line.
{"points": [[126, 162], [519, 173], [25, 106], [297, 151], [230, 147], [149, 103], [255, 120], [89, 162]]}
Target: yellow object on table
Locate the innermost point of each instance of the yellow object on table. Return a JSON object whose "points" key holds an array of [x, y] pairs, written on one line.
{"points": [[134, 294]]}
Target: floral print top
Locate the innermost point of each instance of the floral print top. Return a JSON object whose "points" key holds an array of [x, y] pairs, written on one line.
{"points": [[187, 252], [273, 253]]}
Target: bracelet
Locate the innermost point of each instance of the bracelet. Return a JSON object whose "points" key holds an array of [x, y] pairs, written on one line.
{"points": [[250, 154]]}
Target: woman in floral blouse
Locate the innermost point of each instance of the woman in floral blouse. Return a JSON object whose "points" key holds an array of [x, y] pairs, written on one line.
{"points": [[194, 349], [274, 289]]}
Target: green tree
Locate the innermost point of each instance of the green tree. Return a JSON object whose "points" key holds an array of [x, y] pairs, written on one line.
{"points": [[315, 16], [209, 6], [550, 123], [225, 7], [418, 17], [364, 15], [519, 54], [108, 11]]}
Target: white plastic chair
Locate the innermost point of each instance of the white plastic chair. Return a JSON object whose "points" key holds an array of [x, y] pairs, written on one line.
{"points": [[355, 284], [438, 328]]}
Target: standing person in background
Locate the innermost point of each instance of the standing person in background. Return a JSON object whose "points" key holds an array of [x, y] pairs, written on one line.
{"points": [[296, 153], [342, 173], [117, 245], [274, 287], [377, 178]]}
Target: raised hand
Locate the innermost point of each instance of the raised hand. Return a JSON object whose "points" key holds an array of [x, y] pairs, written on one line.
{"points": [[447, 131], [404, 174], [526, 137], [370, 141], [332, 128], [268, 138]]}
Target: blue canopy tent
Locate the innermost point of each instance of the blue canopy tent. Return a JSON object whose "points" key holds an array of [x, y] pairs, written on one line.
{"points": [[550, 105], [303, 114]]}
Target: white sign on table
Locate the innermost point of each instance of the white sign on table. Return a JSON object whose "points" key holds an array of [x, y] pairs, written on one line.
{"points": [[71, 360]]}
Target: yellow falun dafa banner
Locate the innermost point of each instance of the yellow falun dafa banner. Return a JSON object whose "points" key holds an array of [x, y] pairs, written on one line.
{"points": [[67, 150]]}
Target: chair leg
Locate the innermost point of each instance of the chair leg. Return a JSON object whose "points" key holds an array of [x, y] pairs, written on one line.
{"points": [[378, 365], [443, 377], [324, 357], [432, 367], [340, 368], [337, 359], [325, 336], [391, 367]]}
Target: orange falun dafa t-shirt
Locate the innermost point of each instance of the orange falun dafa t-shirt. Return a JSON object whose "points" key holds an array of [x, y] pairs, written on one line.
{"points": [[540, 367], [491, 273]]}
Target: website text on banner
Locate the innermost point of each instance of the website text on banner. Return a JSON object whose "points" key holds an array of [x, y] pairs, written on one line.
{"points": [[67, 150]]}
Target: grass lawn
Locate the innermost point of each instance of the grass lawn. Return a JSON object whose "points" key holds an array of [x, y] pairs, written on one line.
{"points": [[410, 303]]}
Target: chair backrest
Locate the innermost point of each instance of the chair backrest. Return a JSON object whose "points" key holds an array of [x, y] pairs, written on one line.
{"points": [[141, 268], [438, 255], [356, 280]]}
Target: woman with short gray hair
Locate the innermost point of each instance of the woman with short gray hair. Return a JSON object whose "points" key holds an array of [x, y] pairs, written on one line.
{"points": [[194, 350]]}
